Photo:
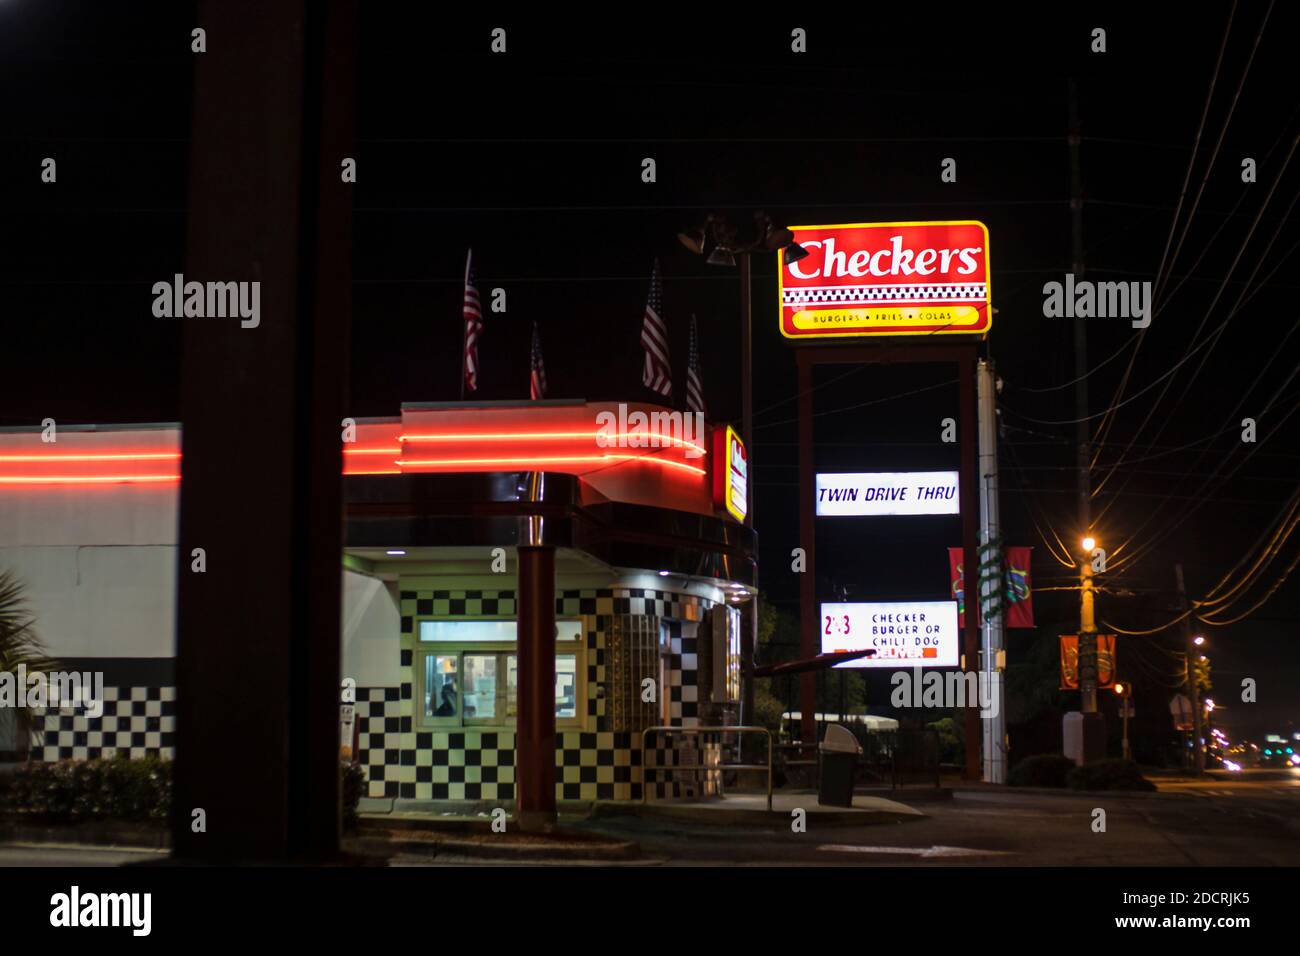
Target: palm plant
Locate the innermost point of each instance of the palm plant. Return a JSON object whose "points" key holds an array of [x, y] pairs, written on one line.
{"points": [[20, 646]]}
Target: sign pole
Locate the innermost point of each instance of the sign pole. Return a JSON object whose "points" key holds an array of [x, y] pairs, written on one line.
{"points": [[1193, 692], [969, 488], [809, 616], [749, 631], [994, 616]]}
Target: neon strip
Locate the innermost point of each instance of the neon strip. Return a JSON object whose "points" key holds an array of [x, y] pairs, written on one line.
{"points": [[372, 451], [391, 471], [167, 456], [82, 479], [665, 441], [525, 463]]}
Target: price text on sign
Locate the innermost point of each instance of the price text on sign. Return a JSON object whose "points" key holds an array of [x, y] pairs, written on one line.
{"points": [[887, 278], [902, 633]]}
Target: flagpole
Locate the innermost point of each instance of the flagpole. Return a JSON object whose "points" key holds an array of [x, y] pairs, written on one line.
{"points": [[464, 326]]}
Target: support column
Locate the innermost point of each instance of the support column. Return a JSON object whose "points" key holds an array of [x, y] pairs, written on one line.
{"points": [[535, 731], [262, 399], [809, 612]]}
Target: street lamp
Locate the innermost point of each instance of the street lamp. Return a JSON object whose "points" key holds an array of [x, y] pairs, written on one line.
{"points": [[1124, 692], [1087, 631]]}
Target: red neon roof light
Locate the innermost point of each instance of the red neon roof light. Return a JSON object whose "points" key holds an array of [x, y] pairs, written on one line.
{"points": [[505, 438]]}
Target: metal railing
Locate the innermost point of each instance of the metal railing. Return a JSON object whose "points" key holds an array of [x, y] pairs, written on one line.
{"points": [[645, 748]]}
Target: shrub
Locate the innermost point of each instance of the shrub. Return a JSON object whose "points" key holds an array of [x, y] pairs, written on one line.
{"points": [[353, 788], [1043, 770], [1109, 775], [70, 790], [120, 788]]}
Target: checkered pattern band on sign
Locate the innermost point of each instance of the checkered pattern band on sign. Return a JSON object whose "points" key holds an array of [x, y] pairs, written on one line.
{"points": [[840, 295]]}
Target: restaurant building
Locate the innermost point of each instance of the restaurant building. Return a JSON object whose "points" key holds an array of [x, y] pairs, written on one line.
{"points": [[641, 513]]}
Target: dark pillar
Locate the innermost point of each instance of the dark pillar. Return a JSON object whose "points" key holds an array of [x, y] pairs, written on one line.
{"points": [[535, 733], [749, 625], [970, 516], [258, 630], [809, 612]]}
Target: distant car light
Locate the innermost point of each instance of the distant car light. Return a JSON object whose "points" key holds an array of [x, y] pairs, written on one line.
{"points": [[1231, 765]]}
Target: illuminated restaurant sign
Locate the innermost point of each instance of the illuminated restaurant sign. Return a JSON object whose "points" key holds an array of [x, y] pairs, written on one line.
{"points": [[730, 472], [890, 278], [902, 633], [888, 493]]}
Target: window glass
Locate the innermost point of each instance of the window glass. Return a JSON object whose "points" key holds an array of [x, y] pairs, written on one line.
{"points": [[441, 686], [465, 632], [512, 686], [566, 685], [480, 686]]}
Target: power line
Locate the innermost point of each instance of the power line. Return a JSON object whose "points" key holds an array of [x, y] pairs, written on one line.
{"points": [[1223, 130], [1260, 603], [1188, 512], [1191, 160], [874, 401]]}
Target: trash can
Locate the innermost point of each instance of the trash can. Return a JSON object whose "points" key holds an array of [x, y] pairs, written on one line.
{"points": [[839, 757]]}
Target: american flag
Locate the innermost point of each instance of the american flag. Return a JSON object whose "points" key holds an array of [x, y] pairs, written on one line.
{"points": [[694, 384], [657, 376], [473, 326], [536, 370]]}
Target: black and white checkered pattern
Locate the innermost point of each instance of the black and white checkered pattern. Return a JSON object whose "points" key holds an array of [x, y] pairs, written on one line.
{"points": [[848, 295], [407, 763], [670, 751], [136, 721]]}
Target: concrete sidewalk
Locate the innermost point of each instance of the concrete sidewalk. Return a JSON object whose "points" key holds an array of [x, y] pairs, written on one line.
{"points": [[741, 809], [377, 838], [750, 809]]}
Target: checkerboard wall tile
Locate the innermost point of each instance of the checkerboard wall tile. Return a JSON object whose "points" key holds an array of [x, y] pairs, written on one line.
{"points": [[406, 762], [136, 721]]}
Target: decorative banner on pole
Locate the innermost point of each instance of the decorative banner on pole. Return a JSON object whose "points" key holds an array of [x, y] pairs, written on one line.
{"points": [[888, 493], [902, 633], [887, 278], [1019, 603], [1070, 661]]}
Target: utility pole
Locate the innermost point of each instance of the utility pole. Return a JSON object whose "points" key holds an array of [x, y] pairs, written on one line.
{"points": [[1198, 749], [991, 591], [1084, 732], [1087, 625]]}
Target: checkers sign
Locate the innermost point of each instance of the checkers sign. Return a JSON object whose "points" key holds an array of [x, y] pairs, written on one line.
{"points": [[889, 278]]}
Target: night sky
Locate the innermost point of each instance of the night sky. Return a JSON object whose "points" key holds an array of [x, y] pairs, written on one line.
{"points": [[534, 158]]}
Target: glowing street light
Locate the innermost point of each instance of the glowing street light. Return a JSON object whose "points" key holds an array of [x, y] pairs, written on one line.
{"points": [[1089, 544]]}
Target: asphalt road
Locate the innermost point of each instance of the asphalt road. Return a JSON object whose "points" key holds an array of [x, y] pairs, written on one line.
{"points": [[1194, 824], [1251, 821]]}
